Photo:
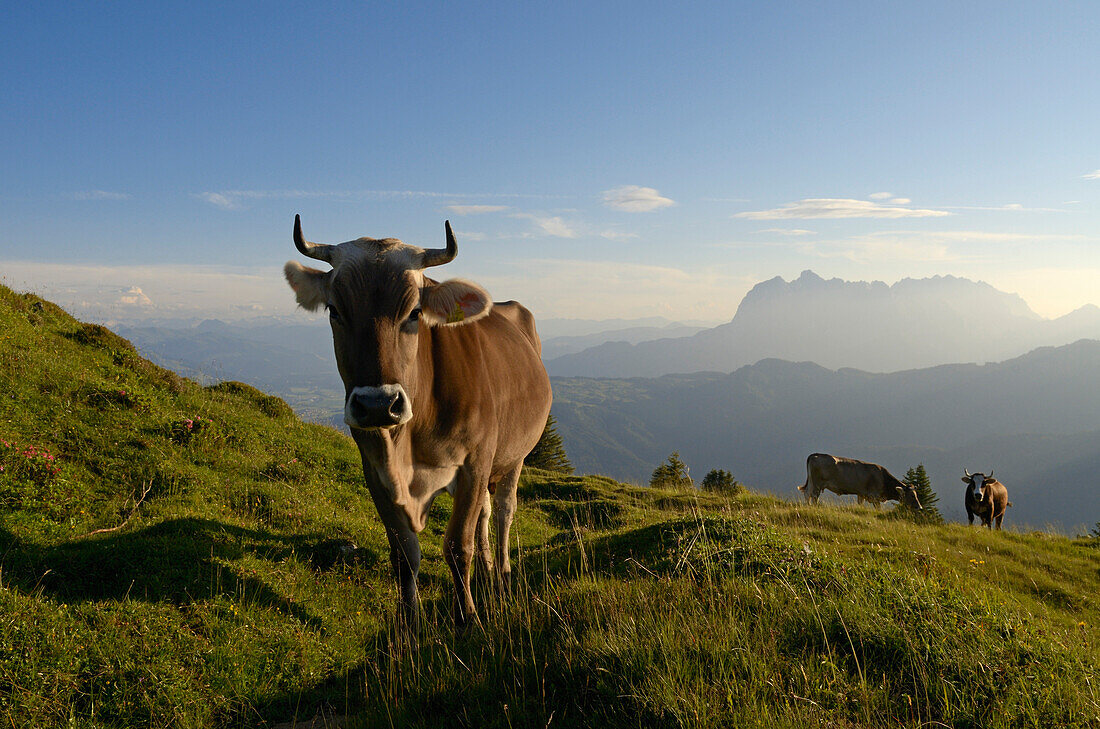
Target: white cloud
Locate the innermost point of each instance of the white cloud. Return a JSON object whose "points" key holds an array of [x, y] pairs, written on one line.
{"points": [[635, 199], [134, 296], [836, 208], [1008, 207], [233, 199], [881, 195], [553, 225], [617, 235], [474, 209], [219, 200], [99, 195], [900, 201], [1094, 175], [787, 231]]}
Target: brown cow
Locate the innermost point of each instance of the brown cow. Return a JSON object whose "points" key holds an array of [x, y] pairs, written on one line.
{"points": [[869, 481], [443, 391], [986, 498]]}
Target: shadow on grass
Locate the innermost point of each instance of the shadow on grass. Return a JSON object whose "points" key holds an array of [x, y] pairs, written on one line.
{"points": [[178, 561]]}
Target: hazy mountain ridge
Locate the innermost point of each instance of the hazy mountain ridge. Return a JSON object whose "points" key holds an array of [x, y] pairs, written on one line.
{"points": [[915, 323], [761, 422], [563, 345]]}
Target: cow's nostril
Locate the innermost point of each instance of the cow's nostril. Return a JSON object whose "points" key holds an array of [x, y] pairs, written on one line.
{"points": [[397, 405]]}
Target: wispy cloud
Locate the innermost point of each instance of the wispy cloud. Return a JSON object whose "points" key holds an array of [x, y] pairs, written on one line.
{"points": [[552, 225], [1008, 208], [1094, 175], [635, 199], [99, 195], [474, 209], [881, 195], [233, 199], [837, 208], [617, 235], [218, 200], [787, 231]]}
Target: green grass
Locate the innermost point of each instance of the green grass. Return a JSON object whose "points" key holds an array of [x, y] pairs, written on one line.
{"points": [[158, 574]]}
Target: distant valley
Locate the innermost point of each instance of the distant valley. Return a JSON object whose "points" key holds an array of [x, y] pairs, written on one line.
{"points": [[1035, 420], [791, 374]]}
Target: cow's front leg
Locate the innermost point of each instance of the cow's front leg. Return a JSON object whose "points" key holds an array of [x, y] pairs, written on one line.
{"points": [[459, 541], [405, 560]]}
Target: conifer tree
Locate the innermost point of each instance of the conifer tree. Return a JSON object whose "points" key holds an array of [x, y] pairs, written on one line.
{"points": [[673, 472], [917, 477], [549, 453], [720, 480]]}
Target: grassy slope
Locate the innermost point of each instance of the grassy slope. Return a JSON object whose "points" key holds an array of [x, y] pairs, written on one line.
{"points": [[224, 599]]}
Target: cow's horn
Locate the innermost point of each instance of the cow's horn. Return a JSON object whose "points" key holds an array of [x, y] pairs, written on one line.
{"points": [[990, 476], [967, 472], [439, 256], [320, 251]]}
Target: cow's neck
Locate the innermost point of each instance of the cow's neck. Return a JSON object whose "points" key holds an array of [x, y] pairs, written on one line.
{"points": [[391, 453]]}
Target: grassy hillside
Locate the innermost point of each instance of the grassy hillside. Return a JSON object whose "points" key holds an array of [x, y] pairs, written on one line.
{"points": [[179, 556]]}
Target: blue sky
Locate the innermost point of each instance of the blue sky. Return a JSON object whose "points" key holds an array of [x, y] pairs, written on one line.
{"points": [[597, 160]]}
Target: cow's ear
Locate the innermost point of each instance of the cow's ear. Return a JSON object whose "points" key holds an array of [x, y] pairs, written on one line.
{"points": [[901, 491], [966, 479], [310, 285], [453, 302]]}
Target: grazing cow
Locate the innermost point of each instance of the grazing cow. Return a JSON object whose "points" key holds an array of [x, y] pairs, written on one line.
{"points": [[986, 498], [869, 481], [444, 390]]}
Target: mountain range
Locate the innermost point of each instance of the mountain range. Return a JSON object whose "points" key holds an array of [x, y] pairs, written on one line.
{"points": [[912, 324]]}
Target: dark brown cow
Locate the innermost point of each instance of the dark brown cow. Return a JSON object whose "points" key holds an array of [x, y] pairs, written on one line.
{"points": [[986, 498], [444, 390], [869, 481]]}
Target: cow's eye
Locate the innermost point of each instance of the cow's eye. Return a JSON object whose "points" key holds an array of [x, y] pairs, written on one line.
{"points": [[414, 315], [333, 315]]}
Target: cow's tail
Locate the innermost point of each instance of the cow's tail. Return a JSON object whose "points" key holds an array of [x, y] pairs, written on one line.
{"points": [[1008, 504], [803, 486]]}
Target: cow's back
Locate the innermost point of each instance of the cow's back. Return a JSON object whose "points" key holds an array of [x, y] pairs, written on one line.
{"points": [[997, 498], [523, 320]]}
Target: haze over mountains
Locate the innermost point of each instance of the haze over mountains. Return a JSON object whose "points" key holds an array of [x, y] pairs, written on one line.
{"points": [[791, 374], [912, 324]]}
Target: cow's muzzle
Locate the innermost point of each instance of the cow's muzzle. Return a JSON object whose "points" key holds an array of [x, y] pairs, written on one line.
{"points": [[377, 407]]}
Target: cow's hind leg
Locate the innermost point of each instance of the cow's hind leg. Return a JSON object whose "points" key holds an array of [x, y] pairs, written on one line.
{"points": [[484, 548], [504, 503], [483, 569]]}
